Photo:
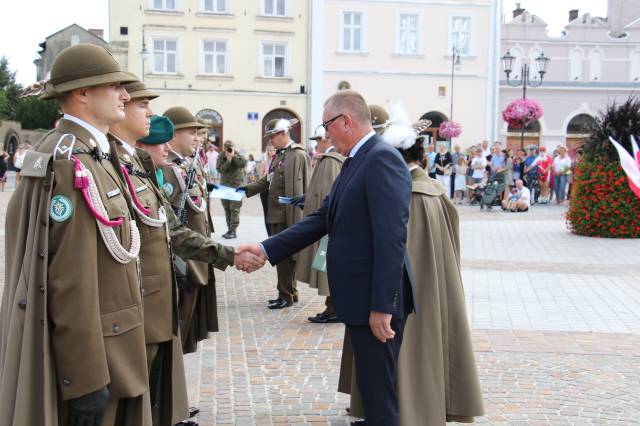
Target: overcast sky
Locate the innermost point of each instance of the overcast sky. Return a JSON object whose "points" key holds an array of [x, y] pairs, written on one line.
{"points": [[26, 23]]}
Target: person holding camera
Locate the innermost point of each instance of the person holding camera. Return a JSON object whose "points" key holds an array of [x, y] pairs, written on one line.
{"points": [[231, 166]]}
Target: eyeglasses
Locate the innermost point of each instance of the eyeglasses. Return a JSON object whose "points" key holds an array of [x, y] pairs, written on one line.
{"points": [[327, 123]]}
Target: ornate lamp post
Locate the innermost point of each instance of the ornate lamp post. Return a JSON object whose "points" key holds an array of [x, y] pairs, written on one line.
{"points": [[144, 54], [542, 62]]}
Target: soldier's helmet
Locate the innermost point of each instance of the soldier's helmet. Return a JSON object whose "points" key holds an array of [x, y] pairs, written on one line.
{"points": [[182, 118], [379, 118], [83, 65], [138, 90], [278, 125]]}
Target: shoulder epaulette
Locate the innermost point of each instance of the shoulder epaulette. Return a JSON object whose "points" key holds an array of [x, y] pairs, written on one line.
{"points": [[35, 164]]}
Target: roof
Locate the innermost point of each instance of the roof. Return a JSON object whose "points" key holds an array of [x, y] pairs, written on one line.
{"points": [[43, 45]]}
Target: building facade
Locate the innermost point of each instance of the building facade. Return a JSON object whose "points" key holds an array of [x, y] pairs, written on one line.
{"points": [[236, 63], [595, 62], [393, 51], [60, 40]]}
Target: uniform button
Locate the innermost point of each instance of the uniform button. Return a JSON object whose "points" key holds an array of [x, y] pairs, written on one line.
{"points": [[22, 304], [41, 254], [143, 291], [66, 382], [116, 328], [41, 289]]}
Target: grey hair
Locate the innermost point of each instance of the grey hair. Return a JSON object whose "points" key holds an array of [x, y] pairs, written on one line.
{"points": [[349, 102]]}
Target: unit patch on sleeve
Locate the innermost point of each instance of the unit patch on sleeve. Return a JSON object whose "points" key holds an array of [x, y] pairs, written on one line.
{"points": [[168, 189], [61, 208]]}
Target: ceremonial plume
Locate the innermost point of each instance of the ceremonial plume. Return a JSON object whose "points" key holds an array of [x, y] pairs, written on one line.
{"points": [[630, 165], [400, 133]]}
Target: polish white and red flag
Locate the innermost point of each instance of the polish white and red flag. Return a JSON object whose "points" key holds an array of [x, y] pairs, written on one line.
{"points": [[630, 164]]}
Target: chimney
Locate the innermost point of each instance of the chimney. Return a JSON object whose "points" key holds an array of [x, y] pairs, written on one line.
{"points": [[97, 32], [518, 11], [573, 14]]}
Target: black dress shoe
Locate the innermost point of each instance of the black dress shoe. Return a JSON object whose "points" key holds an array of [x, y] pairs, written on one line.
{"points": [[359, 423], [272, 301], [187, 423], [231, 235], [279, 304], [193, 411], [324, 318]]}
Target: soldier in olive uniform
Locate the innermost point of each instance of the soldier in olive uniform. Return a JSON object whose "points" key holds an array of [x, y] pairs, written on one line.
{"points": [[73, 348], [198, 306], [231, 166], [379, 118], [161, 234], [288, 176]]}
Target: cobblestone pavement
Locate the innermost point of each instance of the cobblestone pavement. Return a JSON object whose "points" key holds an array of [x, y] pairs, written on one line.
{"points": [[555, 318]]}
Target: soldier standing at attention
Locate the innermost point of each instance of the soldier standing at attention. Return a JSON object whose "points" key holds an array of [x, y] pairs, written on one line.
{"points": [[288, 176], [231, 167], [327, 169], [161, 234], [73, 347], [198, 305]]}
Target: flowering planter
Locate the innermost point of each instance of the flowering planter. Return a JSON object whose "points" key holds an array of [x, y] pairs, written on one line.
{"points": [[522, 112], [450, 129]]}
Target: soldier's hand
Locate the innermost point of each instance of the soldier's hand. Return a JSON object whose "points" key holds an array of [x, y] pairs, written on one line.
{"points": [[249, 257], [298, 201], [211, 187], [88, 409], [242, 188]]}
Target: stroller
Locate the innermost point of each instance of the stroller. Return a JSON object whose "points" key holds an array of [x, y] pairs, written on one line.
{"points": [[493, 190], [532, 182]]}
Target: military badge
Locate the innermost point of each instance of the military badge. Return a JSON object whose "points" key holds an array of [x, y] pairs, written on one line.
{"points": [[168, 189], [61, 208]]}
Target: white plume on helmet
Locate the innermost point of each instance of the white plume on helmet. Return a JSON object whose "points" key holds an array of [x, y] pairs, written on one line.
{"points": [[400, 133]]}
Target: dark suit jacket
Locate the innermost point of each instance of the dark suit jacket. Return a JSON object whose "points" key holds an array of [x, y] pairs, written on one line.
{"points": [[365, 216]]}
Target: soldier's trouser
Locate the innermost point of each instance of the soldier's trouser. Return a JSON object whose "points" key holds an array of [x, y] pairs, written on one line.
{"points": [[286, 269], [232, 213]]}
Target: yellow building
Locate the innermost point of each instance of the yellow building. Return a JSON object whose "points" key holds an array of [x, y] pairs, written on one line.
{"points": [[238, 63]]}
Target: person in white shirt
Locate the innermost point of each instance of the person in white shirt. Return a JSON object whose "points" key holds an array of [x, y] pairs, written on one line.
{"points": [[486, 151], [561, 173], [521, 201]]}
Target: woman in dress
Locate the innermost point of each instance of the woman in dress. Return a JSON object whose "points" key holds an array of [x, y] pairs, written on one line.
{"points": [[4, 159], [443, 166]]}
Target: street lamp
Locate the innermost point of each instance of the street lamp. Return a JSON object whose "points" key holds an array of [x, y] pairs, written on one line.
{"points": [[455, 64], [542, 62], [144, 54]]}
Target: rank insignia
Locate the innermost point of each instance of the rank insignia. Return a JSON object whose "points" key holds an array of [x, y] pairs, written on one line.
{"points": [[61, 208], [168, 189]]}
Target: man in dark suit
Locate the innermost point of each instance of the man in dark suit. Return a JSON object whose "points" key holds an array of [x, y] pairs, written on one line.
{"points": [[365, 216]]}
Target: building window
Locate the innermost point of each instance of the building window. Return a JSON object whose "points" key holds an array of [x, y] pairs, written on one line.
{"points": [[124, 30], [215, 6], [352, 32], [575, 67], [165, 4], [165, 56], [407, 34], [595, 65], [635, 66], [214, 56], [460, 35], [274, 58], [274, 7]]}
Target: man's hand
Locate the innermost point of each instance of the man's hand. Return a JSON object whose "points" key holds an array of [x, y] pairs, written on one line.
{"points": [[249, 257], [380, 324], [89, 409]]}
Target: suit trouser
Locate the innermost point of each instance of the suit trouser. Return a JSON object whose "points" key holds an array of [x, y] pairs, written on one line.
{"points": [[232, 213], [286, 269], [376, 364], [329, 306]]}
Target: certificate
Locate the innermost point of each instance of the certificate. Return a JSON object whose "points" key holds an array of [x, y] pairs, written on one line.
{"points": [[227, 193]]}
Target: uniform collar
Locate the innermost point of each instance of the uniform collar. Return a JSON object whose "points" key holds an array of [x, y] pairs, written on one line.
{"points": [[100, 137], [130, 150]]}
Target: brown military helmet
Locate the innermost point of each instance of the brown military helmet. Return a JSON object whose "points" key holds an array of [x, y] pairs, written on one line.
{"points": [[83, 65], [138, 90], [182, 118], [379, 118]]}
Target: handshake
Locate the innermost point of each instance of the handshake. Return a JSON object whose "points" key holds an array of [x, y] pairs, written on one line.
{"points": [[249, 257]]}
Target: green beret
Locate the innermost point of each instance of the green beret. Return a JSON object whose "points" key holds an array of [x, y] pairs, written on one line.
{"points": [[161, 131]]}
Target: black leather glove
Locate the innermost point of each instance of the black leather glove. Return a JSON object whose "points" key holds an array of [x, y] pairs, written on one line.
{"points": [[89, 409], [211, 187], [298, 201], [242, 189]]}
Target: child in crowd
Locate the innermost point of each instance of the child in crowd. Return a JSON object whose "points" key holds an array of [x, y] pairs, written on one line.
{"points": [[459, 185]]}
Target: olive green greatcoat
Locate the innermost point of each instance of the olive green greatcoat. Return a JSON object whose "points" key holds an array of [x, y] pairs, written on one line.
{"points": [[437, 380], [198, 310], [82, 325], [324, 174], [290, 179]]}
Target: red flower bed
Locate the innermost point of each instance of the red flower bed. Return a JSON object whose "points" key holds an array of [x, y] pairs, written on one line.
{"points": [[602, 205]]}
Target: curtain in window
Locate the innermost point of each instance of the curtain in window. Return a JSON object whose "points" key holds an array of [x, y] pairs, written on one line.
{"points": [[461, 33]]}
